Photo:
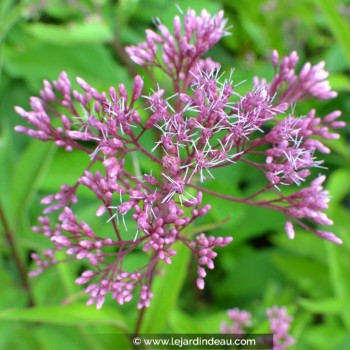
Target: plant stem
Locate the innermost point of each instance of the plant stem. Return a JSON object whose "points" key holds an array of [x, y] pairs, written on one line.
{"points": [[143, 310], [139, 321], [265, 204], [10, 238]]}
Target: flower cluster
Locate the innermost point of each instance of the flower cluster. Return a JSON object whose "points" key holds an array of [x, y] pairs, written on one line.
{"points": [[279, 326], [199, 125], [241, 321]]}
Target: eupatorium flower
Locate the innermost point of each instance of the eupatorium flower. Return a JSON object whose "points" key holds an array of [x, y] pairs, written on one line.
{"points": [[200, 123], [279, 320]]}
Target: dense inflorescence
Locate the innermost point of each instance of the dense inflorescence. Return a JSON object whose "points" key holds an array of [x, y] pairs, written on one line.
{"points": [[199, 124], [279, 320]]}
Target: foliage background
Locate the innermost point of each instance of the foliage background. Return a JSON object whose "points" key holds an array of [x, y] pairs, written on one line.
{"points": [[261, 268]]}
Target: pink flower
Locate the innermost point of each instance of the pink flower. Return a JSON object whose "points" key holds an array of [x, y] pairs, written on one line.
{"points": [[186, 137]]}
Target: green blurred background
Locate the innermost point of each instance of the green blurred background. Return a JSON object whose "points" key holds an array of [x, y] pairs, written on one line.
{"points": [[261, 268]]}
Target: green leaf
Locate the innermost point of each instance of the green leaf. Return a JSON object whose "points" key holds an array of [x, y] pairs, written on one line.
{"points": [[53, 337], [251, 271], [180, 322], [5, 6], [337, 24], [340, 82], [10, 15], [41, 61], [65, 274], [330, 306], [305, 244], [49, 290], [309, 275], [207, 227], [73, 314], [6, 166], [7, 332], [93, 31], [10, 295], [344, 344], [19, 337], [323, 336], [166, 290], [337, 275], [125, 9], [58, 337], [58, 175], [30, 169], [211, 322], [59, 10], [341, 147], [338, 185]]}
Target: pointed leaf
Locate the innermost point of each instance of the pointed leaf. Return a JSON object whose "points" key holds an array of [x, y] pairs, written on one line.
{"points": [[90, 32], [73, 314], [30, 169], [337, 23], [326, 306], [338, 273], [166, 290], [6, 166]]}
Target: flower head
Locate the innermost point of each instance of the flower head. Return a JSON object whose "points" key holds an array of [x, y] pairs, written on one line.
{"points": [[187, 132]]}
